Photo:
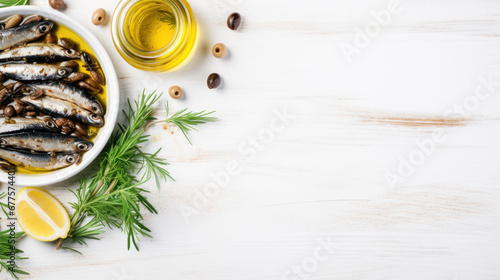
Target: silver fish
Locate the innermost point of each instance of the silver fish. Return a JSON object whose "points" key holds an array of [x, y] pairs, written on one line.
{"points": [[38, 52], [68, 92], [25, 33], [17, 124], [45, 142], [35, 72], [39, 161], [61, 108]]}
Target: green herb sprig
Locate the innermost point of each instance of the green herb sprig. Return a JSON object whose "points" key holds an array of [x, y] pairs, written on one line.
{"points": [[113, 197], [168, 17], [5, 247], [5, 254], [186, 121], [9, 3]]}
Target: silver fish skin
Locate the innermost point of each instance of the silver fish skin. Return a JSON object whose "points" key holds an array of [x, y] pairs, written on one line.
{"points": [[68, 92], [38, 52], [45, 142], [17, 124], [39, 161], [61, 108], [25, 33], [35, 72]]}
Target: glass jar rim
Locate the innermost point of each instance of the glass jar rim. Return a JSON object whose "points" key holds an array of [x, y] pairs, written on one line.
{"points": [[136, 56]]}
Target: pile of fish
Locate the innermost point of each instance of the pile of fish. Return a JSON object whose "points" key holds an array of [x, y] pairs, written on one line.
{"points": [[46, 105]]}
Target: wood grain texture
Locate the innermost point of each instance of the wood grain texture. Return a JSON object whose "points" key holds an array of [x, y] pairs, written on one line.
{"points": [[322, 176]]}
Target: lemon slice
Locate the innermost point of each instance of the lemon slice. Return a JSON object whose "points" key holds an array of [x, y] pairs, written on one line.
{"points": [[40, 215]]}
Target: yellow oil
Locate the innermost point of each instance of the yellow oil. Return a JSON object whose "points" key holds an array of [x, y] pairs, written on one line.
{"points": [[62, 31], [159, 33], [152, 26]]}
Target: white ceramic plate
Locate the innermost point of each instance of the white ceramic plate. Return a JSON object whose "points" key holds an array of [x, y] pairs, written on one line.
{"points": [[112, 92]]}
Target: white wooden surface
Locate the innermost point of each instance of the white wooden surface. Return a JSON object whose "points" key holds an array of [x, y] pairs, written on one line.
{"points": [[322, 176]]}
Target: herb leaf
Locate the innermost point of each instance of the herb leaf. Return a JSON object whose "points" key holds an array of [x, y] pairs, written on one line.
{"points": [[186, 121], [8, 3], [113, 197], [5, 251], [5, 246], [168, 17]]}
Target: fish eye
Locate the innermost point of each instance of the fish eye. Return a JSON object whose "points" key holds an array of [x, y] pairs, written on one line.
{"points": [[95, 117], [81, 147], [43, 28], [70, 159], [71, 51], [51, 124], [28, 90], [62, 72], [95, 108]]}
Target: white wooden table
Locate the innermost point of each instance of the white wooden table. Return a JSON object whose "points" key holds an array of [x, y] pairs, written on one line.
{"points": [[373, 174]]}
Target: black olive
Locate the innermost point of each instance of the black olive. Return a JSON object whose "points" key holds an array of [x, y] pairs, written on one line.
{"points": [[233, 21], [214, 81], [9, 111]]}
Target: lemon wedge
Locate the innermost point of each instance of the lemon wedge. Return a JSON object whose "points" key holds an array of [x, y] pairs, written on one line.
{"points": [[40, 215]]}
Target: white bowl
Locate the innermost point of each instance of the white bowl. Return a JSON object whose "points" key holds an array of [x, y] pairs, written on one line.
{"points": [[112, 92]]}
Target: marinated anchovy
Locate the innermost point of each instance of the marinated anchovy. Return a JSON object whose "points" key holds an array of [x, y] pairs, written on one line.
{"points": [[38, 52], [45, 142], [24, 33], [46, 105], [39, 161], [35, 72], [68, 92], [61, 108], [17, 124]]}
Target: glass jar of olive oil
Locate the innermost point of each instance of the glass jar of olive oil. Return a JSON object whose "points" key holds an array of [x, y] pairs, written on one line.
{"points": [[154, 35]]}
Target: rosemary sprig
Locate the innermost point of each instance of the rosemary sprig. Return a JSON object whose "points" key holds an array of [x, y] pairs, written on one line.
{"points": [[168, 17], [5, 254], [6, 244], [8, 3], [113, 197], [186, 121]]}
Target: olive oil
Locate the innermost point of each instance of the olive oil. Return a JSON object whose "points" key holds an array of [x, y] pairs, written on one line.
{"points": [[62, 31], [152, 27], [155, 35]]}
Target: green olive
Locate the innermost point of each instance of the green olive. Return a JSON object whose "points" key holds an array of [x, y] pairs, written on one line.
{"points": [[219, 50], [56, 4], [99, 17], [13, 21], [9, 111], [175, 92]]}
